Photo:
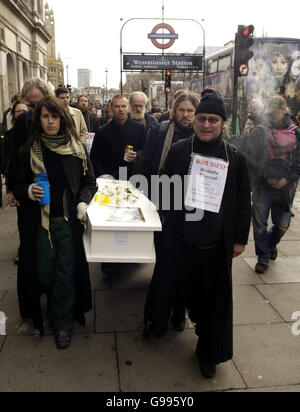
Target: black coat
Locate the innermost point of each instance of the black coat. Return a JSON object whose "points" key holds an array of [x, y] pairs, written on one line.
{"points": [[92, 121], [236, 225], [107, 154], [20, 134], [79, 188]]}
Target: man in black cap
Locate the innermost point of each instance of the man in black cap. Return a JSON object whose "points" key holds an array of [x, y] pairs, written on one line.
{"points": [[196, 253]]}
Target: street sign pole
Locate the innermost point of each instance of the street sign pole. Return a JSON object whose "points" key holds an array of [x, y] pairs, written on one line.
{"points": [[235, 90], [169, 19]]}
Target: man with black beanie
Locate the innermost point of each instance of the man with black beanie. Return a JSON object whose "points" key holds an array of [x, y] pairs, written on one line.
{"points": [[196, 255]]}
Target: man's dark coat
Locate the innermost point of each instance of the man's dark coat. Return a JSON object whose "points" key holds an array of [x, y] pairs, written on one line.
{"points": [[237, 217], [107, 154]]}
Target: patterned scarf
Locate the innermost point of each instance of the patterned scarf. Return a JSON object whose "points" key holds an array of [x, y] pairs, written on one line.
{"points": [[59, 145]]}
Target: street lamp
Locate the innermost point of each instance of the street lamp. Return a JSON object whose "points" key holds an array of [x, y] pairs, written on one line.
{"points": [[106, 72], [67, 61]]}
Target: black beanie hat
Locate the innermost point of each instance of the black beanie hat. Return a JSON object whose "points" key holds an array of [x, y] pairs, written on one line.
{"points": [[212, 102]]}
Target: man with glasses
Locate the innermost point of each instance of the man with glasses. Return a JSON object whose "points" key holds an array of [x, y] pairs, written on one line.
{"points": [[138, 103], [196, 249]]}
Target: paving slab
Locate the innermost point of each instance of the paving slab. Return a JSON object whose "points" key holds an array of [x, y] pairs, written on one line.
{"points": [[9, 215], [168, 365], [7, 230], [98, 282], [242, 274], [8, 275], [8, 249], [119, 310], [134, 277], [35, 365], [251, 308], [290, 247], [267, 355], [284, 270], [293, 233], [284, 298]]}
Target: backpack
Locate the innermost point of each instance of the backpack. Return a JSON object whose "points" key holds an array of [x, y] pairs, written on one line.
{"points": [[281, 149]]}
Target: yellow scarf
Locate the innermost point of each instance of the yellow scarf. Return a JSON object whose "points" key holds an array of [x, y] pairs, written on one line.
{"points": [[59, 145]]}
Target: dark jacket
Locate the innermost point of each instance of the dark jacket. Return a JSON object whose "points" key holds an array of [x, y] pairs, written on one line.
{"points": [[255, 147], [92, 121], [236, 207], [79, 188], [19, 136], [150, 122], [107, 154]]}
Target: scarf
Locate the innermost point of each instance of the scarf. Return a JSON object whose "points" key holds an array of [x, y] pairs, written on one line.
{"points": [[59, 145]]}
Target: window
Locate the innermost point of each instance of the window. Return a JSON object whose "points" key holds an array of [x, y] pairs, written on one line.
{"points": [[224, 63]]}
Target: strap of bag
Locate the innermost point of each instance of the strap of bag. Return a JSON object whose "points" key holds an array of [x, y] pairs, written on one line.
{"points": [[167, 145]]}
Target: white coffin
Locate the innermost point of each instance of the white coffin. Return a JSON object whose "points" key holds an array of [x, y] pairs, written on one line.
{"points": [[121, 242]]}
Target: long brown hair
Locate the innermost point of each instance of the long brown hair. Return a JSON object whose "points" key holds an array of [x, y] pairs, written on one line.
{"points": [[54, 106]]}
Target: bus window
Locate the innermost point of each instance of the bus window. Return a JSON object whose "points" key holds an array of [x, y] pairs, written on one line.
{"points": [[224, 63], [213, 67]]}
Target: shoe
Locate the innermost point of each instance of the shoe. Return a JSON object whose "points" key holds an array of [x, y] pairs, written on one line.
{"points": [[208, 371], [274, 255], [261, 268], [62, 339]]}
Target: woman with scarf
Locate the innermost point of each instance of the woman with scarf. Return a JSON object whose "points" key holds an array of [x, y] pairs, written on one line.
{"points": [[196, 250], [54, 230]]}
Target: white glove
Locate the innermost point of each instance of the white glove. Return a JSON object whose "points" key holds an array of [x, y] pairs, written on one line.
{"points": [[30, 193], [81, 213]]}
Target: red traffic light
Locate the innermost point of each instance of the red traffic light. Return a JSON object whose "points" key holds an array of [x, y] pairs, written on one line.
{"points": [[169, 73], [248, 31]]}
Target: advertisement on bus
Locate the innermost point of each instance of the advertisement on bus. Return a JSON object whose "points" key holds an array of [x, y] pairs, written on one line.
{"points": [[274, 69]]}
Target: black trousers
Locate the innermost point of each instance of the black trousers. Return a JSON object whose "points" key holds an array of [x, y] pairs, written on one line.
{"points": [[200, 280]]}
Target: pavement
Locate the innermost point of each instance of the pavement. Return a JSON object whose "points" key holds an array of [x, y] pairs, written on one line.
{"points": [[110, 354]]}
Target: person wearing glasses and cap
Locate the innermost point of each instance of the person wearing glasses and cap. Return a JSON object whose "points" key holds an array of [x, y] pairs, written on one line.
{"points": [[197, 247]]}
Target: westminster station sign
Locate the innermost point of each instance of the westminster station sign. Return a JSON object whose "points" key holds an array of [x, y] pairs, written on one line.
{"points": [[163, 62]]}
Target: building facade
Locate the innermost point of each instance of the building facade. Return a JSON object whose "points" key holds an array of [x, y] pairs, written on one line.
{"points": [[54, 63], [23, 46], [84, 78]]}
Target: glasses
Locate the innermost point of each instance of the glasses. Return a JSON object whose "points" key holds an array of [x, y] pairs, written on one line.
{"points": [[31, 105], [210, 120]]}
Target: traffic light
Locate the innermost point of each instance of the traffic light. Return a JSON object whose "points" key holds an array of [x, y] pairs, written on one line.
{"points": [[244, 40], [168, 81]]}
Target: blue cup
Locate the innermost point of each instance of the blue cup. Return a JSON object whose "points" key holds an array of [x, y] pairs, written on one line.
{"points": [[43, 182]]}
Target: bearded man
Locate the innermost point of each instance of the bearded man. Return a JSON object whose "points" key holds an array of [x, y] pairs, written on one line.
{"points": [[138, 103]]}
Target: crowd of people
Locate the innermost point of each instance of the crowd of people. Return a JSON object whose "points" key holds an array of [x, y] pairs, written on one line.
{"points": [[193, 268]]}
